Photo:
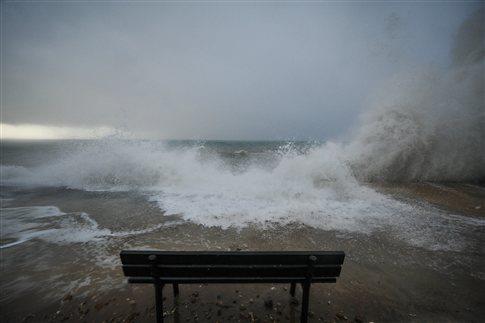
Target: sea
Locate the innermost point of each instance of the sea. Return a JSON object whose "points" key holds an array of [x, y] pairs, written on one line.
{"points": [[226, 184]]}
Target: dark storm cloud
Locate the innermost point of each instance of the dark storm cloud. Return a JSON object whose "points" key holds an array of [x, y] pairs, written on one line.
{"points": [[228, 71]]}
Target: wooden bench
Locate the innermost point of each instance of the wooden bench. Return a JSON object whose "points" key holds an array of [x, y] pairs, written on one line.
{"points": [[187, 267]]}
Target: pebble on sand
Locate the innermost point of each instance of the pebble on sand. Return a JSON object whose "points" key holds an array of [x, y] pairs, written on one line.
{"points": [[341, 316], [268, 303], [67, 298]]}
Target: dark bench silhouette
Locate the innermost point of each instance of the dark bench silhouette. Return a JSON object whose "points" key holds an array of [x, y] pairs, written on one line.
{"points": [[194, 267]]}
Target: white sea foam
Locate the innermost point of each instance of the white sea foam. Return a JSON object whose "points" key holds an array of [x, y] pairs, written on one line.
{"points": [[316, 187], [48, 223]]}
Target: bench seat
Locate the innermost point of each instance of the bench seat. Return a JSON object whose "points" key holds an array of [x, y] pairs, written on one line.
{"points": [[196, 267]]}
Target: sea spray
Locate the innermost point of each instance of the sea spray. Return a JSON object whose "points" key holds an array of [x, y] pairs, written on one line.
{"points": [[428, 124]]}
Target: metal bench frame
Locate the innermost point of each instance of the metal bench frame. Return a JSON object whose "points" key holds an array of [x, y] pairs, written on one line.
{"points": [[195, 267]]}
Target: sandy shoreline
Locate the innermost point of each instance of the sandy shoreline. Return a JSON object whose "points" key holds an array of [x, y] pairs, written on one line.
{"points": [[462, 198], [384, 279]]}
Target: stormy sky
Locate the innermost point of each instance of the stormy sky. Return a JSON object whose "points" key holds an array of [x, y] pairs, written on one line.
{"points": [[210, 70]]}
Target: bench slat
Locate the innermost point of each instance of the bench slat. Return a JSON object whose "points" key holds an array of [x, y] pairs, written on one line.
{"points": [[234, 271], [233, 258], [229, 280]]}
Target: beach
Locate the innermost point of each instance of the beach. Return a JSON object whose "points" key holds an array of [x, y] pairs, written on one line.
{"points": [[73, 273]]}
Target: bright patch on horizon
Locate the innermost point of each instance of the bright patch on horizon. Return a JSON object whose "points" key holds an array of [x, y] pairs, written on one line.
{"points": [[33, 131]]}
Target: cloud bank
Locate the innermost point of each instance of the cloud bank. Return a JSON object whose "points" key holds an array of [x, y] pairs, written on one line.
{"points": [[213, 71]]}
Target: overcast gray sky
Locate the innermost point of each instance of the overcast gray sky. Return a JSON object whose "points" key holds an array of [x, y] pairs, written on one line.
{"points": [[213, 70]]}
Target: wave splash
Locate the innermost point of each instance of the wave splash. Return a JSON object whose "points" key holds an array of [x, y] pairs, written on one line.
{"points": [[315, 188], [429, 125], [426, 126]]}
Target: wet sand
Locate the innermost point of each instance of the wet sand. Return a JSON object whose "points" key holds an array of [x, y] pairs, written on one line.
{"points": [[462, 198], [384, 279]]}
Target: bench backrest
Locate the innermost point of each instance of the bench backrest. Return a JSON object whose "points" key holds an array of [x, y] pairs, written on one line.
{"points": [[193, 265]]}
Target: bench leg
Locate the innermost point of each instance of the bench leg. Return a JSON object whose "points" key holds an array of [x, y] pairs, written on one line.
{"points": [[305, 302], [292, 289], [159, 302], [176, 290]]}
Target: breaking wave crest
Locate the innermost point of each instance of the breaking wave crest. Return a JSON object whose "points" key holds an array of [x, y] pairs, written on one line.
{"points": [[204, 188]]}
